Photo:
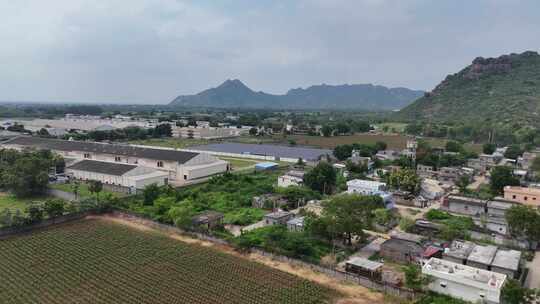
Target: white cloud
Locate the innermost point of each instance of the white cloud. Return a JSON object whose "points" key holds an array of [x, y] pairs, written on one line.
{"points": [[151, 50]]}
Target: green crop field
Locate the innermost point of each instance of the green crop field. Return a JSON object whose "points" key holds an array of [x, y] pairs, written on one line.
{"points": [[96, 261]]}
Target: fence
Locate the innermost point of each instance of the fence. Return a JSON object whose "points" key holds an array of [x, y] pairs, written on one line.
{"points": [[13, 230], [337, 274]]}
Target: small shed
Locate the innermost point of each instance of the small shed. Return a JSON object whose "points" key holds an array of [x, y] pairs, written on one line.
{"points": [[364, 267], [266, 166], [278, 218], [403, 247], [208, 220], [296, 224]]}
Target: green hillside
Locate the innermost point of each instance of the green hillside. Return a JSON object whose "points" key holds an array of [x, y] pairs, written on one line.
{"points": [[503, 90]]}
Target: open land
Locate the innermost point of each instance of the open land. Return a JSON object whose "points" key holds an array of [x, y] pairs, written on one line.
{"points": [[100, 261], [11, 202]]}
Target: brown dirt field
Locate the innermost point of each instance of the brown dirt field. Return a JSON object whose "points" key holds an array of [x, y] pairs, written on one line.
{"points": [[355, 294]]}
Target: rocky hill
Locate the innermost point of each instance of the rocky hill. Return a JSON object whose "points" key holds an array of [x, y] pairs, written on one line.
{"points": [[503, 90], [234, 94]]}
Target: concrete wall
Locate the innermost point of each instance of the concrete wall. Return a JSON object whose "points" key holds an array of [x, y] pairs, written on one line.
{"points": [[464, 208]]}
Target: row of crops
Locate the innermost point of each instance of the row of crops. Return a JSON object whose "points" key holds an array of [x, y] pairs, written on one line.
{"points": [[95, 261]]}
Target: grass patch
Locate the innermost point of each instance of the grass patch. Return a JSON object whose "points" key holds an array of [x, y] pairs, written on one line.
{"points": [[239, 163], [83, 190], [11, 202]]}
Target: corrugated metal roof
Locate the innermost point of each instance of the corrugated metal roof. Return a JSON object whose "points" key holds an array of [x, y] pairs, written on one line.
{"points": [[125, 150], [102, 167], [266, 150]]}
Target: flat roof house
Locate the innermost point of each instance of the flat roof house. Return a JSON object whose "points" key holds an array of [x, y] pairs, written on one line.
{"points": [[296, 224], [507, 262], [523, 195], [364, 267], [182, 167], [464, 282], [291, 178], [403, 247], [278, 218], [482, 256], [458, 252]]}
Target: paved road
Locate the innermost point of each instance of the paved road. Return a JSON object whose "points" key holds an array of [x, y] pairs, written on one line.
{"points": [[533, 278]]}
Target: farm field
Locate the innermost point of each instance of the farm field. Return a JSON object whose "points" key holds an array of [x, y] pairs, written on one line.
{"points": [[98, 261], [177, 143], [396, 142]]}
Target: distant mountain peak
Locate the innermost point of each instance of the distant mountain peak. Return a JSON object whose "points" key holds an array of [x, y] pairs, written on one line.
{"points": [[233, 93]]}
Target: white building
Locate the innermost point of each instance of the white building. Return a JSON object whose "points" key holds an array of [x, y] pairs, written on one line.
{"points": [[291, 178], [365, 187], [464, 282], [182, 167], [206, 132], [124, 175]]}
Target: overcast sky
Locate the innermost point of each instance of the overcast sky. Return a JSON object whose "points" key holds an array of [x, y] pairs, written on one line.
{"points": [[149, 51]]}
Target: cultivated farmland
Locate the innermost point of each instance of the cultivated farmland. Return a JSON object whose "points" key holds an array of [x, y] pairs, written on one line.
{"points": [[96, 261]]}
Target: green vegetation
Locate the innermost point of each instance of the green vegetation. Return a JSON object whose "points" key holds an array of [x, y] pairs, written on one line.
{"points": [[494, 96], [279, 240], [502, 176], [230, 194], [240, 163], [95, 261], [454, 227], [321, 178], [13, 203], [435, 298], [524, 221], [26, 174], [405, 180]]}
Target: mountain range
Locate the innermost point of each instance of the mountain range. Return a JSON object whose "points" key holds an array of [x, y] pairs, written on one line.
{"points": [[503, 90], [235, 94]]}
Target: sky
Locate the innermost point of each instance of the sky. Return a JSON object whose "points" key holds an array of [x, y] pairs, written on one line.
{"points": [[150, 51]]}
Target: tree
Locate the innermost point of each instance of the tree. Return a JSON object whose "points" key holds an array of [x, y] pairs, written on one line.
{"points": [[43, 132], [350, 214], [321, 178], [27, 175], [463, 182], [406, 224], [54, 207], [343, 128], [524, 221], [253, 131], [300, 162], [75, 187], [414, 279], [513, 152], [536, 165], [513, 293], [95, 187], [342, 152], [6, 217], [380, 146], [489, 148], [502, 176], [150, 194], [35, 213], [405, 180], [327, 130], [453, 146]]}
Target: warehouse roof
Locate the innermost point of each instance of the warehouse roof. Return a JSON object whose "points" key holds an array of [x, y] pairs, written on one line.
{"points": [[125, 150], [266, 150], [102, 167]]}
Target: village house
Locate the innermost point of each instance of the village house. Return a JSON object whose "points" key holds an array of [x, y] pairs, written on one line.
{"points": [[268, 201], [291, 178], [464, 282], [458, 252], [481, 256], [278, 218], [206, 132], [208, 220], [365, 187], [464, 205], [365, 268], [523, 195], [296, 224], [403, 247], [425, 171], [507, 262], [387, 155], [182, 167]]}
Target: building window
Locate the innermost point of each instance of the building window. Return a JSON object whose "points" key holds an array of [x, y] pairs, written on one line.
{"points": [[185, 176], [117, 159], [525, 198], [160, 164], [513, 196], [443, 284]]}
